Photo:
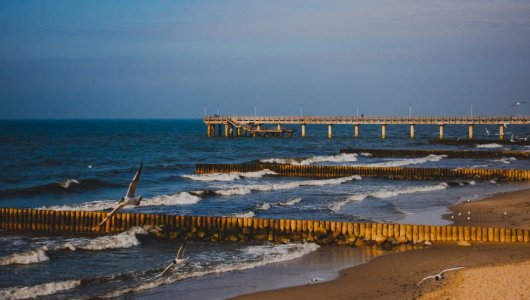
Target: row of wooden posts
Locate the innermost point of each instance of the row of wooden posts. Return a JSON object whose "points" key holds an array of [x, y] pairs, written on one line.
{"points": [[450, 153], [344, 171], [247, 229]]}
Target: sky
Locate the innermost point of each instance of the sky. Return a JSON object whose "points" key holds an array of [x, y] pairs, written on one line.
{"points": [[176, 59]]}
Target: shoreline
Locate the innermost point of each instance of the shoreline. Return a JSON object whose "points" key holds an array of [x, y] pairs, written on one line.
{"points": [[373, 280]]}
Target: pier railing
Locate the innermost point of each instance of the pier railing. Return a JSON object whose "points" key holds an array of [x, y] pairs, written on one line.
{"points": [[250, 229]]}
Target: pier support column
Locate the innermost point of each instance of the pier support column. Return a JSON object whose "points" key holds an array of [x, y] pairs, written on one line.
{"points": [[226, 130], [412, 131], [442, 131], [356, 130], [330, 131], [470, 126], [383, 131], [219, 130], [303, 130], [279, 126], [209, 129], [258, 127], [501, 132], [238, 131]]}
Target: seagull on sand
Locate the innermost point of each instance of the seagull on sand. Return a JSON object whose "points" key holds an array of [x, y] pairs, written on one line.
{"points": [[179, 259], [313, 280], [440, 275], [130, 198], [519, 103]]}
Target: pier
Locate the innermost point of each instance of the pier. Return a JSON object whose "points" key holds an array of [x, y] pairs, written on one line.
{"points": [[236, 229], [445, 152], [256, 125]]}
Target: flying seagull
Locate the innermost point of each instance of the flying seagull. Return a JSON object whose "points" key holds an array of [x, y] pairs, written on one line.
{"points": [[519, 103], [179, 259], [487, 132], [440, 275], [130, 198]]}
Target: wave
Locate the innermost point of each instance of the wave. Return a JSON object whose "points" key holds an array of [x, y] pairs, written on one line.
{"points": [[259, 255], [247, 189], [406, 162], [69, 185], [488, 146], [25, 258], [125, 239], [28, 292], [229, 176], [289, 202], [387, 193], [505, 160], [343, 157], [249, 214], [182, 198]]}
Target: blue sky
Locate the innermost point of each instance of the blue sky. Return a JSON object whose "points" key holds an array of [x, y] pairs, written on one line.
{"points": [[168, 59]]}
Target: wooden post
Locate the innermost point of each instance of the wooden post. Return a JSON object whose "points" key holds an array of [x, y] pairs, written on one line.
{"points": [[303, 130], [412, 131], [441, 131], [470, 126], [356, 130], [501, 132]]}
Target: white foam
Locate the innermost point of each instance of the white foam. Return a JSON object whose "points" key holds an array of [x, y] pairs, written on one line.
{"points": [[343, 157], [290, 202], [67, 183], [366, 154], [249, 214], [125, 239], [263, 206], [247, 189], [29, 292], [262, 255], [25, 258], [479, 166], [409, 161], [229, 176], [182, 198], [488, 146], [387, 193]]}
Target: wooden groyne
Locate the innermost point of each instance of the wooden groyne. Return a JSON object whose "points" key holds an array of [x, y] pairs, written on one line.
{"points": [[446, 152], [457, 142], [392, 172], [251, 229]]}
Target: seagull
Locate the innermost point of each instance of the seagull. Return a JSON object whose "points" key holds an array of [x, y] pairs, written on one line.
{"points": [[313, 281], [487, 132], [440, 275], [179, 259], [519, 103], [512, 140], [130, 198]]}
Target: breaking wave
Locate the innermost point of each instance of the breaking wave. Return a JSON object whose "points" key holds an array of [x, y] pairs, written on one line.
{"points": [[409, 161], [28, 292], [182, 198], [229, 176], [488, 146], [25, 258], [343, 157], [387, 193], [258, 255], [247, 189], [69, 185], [125, 239], [249, 214], [505, 160]]}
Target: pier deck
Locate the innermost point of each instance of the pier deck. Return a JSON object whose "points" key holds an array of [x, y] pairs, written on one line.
{"points": [[253, 124]]}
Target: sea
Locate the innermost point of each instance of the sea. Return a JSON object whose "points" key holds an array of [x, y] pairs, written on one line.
{"points": [[88, 165]]}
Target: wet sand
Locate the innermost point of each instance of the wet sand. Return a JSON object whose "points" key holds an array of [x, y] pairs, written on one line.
{"points": [[395, 276]]}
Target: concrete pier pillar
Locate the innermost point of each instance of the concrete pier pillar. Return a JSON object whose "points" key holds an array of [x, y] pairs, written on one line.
{"points": [[383, 131], [231, 129], [279, 126], [258, 127], [209, 130], [219, 129], [442, 131], [501, 132], [303, 130], [356, 130], [238, 131], [470, 126], [226, 130], [330, 131], [411, 131]]}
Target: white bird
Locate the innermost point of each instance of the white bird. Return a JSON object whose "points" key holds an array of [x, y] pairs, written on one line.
{"points": [[130, 198], [487, 132], [511, 139], [519, 103], [313, 281], [440, 275], [179, 259]]}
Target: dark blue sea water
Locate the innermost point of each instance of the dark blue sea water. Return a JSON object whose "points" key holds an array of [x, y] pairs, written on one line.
{"points": [[88, 164]]}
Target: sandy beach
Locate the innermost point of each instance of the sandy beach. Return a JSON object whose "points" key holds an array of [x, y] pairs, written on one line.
{"points": [[497, 270]]}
